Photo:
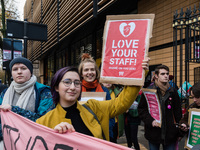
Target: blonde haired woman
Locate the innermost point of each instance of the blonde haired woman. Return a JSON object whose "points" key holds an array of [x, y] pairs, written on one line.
{"points": [[90, 82]]}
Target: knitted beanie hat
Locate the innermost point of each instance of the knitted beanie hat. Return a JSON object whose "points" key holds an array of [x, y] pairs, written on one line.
{"points": [[22, 60]]}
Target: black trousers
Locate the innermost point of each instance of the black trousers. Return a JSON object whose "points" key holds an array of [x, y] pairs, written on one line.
{"points": [[115, 134], [131, 132]]}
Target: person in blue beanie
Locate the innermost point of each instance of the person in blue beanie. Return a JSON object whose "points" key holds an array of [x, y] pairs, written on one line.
{"points": [[25, 96]]}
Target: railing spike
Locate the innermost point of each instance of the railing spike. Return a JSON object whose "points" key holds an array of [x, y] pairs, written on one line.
{"points": [[199, 7], [181, 13], [194, 10]]}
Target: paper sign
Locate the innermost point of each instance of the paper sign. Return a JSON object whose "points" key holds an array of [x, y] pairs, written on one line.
{"points": [[17, 54], [126, 42], [153, 104], [20, 133], [85, 96], [194, 131], [7, 54]]}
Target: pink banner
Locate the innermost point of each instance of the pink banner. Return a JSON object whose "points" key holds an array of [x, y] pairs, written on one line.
{"points": [[23, 134]]}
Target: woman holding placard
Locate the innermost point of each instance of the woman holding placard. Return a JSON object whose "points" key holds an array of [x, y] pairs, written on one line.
{"points": [[90, 76], [90, 83], [70, 116]]}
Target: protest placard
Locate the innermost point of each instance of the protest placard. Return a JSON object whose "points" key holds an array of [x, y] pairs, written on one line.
{"points": [[125, 45], [194, 131], [85, 96], [153, 104], [20, 133]]}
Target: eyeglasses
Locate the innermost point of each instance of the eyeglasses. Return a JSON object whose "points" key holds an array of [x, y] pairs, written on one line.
{"points": [[68, 82]]}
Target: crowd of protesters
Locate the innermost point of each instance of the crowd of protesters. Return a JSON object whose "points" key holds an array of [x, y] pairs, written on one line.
{"points": [[58, 106]]}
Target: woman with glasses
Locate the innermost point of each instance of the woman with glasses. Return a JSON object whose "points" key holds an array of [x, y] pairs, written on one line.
{"points": [[70, 116]]}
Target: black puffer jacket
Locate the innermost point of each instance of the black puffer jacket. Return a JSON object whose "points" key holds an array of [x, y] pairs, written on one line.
{"points": [[168, 133]]}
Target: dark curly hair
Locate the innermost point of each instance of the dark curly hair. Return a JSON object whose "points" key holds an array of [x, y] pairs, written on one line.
{"points": [[56, 80]]}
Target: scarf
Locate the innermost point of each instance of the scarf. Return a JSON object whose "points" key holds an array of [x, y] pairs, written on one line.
{"points": [[163, 88], [115, 90], [26, 90], [87, 86]]}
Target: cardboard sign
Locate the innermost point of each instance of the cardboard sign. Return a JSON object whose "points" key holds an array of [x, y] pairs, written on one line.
{"points": [[85, 96], [153, 104], [20, 133], [125, 45], [194, 131]]}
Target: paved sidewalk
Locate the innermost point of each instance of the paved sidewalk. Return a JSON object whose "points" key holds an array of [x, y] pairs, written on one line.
{"points": [[141, 146], [142, 141]]}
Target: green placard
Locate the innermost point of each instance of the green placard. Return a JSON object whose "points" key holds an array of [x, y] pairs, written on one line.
{"points": [[194, 132]]}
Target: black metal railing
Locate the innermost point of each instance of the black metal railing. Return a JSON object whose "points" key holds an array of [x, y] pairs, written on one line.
{"points": [[186, 42]]}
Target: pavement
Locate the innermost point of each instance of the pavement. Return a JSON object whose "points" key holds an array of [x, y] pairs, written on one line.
{"points": [[143, 142], [141, 139]]}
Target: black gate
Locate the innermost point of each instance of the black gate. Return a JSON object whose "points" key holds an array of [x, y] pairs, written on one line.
{"points": [[186, 46]]}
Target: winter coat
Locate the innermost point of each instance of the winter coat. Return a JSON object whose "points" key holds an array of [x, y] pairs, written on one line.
{"points": [[112, 120], [104, 110], [43, 104], [168, 133]]}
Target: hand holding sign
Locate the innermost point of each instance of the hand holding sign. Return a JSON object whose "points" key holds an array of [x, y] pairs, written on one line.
{"points": [[145, 63], [5, 107], [184, 127], [64, 127], [155, 124]]}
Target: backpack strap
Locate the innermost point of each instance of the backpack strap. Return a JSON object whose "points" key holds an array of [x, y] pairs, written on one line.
{"points": [[88, 108]]}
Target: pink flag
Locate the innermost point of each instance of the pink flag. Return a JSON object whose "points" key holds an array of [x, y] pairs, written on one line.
{"points": [[23, 134]]}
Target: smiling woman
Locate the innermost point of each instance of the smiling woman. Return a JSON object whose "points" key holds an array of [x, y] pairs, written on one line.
{"points": [[69, 88], [90, 82], [69, 115]]}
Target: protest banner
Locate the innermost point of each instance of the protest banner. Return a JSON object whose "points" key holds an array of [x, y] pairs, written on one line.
{"points": [[20, 133], [85, 96], [153, 104], [194, 131], [125, 45]]}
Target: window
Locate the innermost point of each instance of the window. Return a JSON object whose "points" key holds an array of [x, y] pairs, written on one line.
{"points": [[196, 74], [50, 69]]}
